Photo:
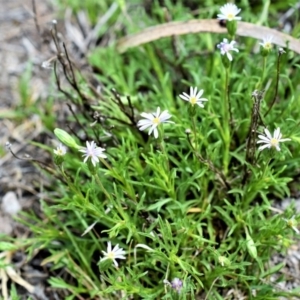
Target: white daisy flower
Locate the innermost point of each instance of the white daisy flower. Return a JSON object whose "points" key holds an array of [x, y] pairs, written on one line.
{"points": [[152, 120], [229, 12], [292, 223], [113, 254], [225, 47], [270, 141], [267, 43], [93, 152], [61, 150], [194, 97]]}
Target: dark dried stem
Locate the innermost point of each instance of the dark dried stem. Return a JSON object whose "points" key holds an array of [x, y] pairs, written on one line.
{"points": [[220, 176]]}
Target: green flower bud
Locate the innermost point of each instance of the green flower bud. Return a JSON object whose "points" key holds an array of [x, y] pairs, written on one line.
{"points": [[104, 265], [65, 138], [251, 246], [226, 62], [58, 160], [231, 28], [192, 110]]}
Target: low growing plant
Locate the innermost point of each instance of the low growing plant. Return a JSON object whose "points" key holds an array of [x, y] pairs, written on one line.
{"points": [[166, 179]]}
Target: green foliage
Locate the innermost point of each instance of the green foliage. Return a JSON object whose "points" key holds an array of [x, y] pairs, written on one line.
{"points": [[194, 205]]}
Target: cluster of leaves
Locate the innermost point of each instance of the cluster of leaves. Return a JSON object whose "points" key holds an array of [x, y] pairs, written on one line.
{"points": [[194, 204]]}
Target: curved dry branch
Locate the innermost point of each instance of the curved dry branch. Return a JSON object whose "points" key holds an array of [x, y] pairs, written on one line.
{"points": [[211, 26]]}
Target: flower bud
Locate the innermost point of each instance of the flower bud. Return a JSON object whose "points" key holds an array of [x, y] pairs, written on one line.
{"points": [[251, 246], [231, 28], [65, 138]]}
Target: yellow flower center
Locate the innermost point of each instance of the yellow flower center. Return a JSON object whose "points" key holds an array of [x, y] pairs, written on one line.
{"points": [[193, 100], [111, 255], [268, 46], [230, 16], [274, 142], [156, 121]]}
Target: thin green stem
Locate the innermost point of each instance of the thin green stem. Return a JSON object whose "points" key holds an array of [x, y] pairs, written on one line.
{"points": [[167, 169], [227, 123], [195, 133], [260, 83], [72, 186], [96, 176], [228, 97]]}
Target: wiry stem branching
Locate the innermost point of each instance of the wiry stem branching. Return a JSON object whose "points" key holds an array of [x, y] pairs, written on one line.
{"points": [[251, 140]]}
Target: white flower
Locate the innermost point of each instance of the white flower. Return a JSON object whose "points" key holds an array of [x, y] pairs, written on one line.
{"points": [[292, 223], [61, 150], [267, 43], [224, 261], [270, 141], [46, 64], [113, 254], [194, 97], [152, 120], [225, 47], [93, 152], [229, 12], [8, 145], [281, 51]]}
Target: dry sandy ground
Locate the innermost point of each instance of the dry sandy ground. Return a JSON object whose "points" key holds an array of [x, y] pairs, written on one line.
{"points": [[21, 47]]}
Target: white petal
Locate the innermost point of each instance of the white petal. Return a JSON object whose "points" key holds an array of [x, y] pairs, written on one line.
{"points": [[115, 263], [262, 142], [185, 97], [144, 122], [277, 133], [145, 127], [108, 247], [264, 138], [115, 248], [192, 91], [152, 129], [268, 134], [263, 147], [165, 116], [155, 131], [200, 104], [229, 56], [200, 93], [82, 150], [94, 160], [157, 112], [147, 116]]}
